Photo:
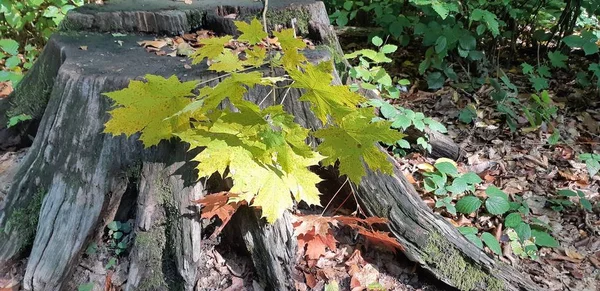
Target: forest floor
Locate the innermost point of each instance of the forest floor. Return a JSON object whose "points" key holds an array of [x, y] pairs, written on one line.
{"points": [[521, 163]]}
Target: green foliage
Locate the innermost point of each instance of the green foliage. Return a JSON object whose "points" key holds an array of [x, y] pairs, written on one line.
{"points": [[25, 26], [263, 150], [17, 119], [120, 236], [447, 184], [86, 287], [558, 204], [592, 162], [374, 77]]}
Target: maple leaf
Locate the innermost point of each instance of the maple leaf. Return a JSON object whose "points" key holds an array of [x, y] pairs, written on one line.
{"points": [[226, 62], [255, 56], [325, 99], [219, 205], [354, 140], [288, 40], [211, 48], [147, 107], [314, 235], [290, 46], [234, 87], [235, 141], [253, 33]]}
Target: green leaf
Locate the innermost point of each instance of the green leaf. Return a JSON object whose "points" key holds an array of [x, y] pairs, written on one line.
{"points": [[527, 68], [476, 55], [475, 240], [446, 168], [468, 204], [554, 138], [435, 125], [468, 230], [12, 62], [512, 220], [117, 235], [435, 80], [147, 107], [497, 205], [491, 242], [86, 287], [112, 262], [467, 114], [557, 59], [253, 33], [9, 46], [114, 225], [348, 5], [467, 42], [355, 140], [458, 186], [523, 230], [17, 119], [440, 44], [573, 41], [493, 191], [590, 48], [377, 41], [471, 178], [593, 166], [567, 193], [586, 204], [543, 239], [388, 48]]}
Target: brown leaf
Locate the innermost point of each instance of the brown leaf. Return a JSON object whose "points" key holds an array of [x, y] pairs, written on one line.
{"points": [[5, 89], [153, 43]]}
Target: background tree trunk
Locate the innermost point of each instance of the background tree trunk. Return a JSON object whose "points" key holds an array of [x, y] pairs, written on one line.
{"points": [[85, 177]]}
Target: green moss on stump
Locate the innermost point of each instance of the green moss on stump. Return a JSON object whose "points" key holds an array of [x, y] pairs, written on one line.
{"points": [[159, 253], [449, 261], [25, 219]]}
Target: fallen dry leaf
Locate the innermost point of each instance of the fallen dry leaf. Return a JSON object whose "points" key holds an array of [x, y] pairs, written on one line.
{"points": [[5, 89], [83, 47], [153, 43]]}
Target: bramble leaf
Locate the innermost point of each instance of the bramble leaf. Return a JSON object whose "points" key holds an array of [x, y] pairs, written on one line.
{"points": [[354, 141], [146, 107]]}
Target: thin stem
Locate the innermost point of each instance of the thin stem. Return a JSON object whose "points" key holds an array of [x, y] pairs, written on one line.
{"points": [[263, 100], [286, 93], [336, 193]]}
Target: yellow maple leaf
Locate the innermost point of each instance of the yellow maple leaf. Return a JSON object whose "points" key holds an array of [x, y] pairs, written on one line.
{"points": [[211, 48], [148, 107], [253, 33], [226, 62]]}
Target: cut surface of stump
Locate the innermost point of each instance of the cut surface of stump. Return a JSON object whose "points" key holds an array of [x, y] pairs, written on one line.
{"points": [[81, 175]]}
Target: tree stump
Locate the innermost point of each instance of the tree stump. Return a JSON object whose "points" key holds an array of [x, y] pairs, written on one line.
{"points": [[75, 178]]}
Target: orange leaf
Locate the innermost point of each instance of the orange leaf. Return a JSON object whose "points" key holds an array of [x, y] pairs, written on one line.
{"points": [[381, 238], [218, 205]]}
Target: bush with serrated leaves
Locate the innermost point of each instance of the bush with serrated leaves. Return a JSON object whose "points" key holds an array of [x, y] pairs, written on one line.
{"points": [[24, 28]]}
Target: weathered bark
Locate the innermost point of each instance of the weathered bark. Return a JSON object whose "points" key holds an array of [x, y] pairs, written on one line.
{"points": [[82, 174]]}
